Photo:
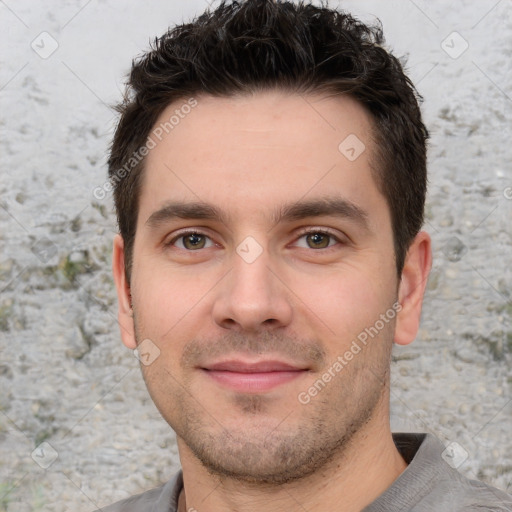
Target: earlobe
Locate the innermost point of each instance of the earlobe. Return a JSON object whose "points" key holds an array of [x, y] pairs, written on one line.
{"points": [[413, 282], [125, 312]]}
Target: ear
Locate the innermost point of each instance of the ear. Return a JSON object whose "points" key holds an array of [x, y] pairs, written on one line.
{"points": [[125, 312], [413, 282]]}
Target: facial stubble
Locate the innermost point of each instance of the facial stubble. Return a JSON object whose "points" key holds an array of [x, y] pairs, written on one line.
{"points": [[273, 445]]}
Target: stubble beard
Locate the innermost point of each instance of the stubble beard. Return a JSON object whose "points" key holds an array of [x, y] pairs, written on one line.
{"points": [[273, 457], [272, 451]]}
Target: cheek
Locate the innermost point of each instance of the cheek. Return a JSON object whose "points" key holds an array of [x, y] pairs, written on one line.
{"points": [[163, 302], [348, 301]]}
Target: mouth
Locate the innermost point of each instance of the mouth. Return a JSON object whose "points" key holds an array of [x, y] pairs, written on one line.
{"points": [[253, 377]]}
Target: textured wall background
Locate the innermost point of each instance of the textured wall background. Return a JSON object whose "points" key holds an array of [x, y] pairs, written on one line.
{"points": [[77, 427]]}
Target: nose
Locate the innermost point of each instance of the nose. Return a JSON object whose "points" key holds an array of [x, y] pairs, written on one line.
{"points": [[253, 296]]}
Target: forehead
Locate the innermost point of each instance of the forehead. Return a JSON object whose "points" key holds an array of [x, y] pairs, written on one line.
{"points": [[259, 151]]}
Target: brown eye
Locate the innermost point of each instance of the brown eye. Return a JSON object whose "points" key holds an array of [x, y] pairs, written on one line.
{"points": [[190, 241], [194, 241], [318, 240]]}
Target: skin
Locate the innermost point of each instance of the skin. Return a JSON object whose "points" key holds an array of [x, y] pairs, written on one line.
{"points": [[304, 300]]}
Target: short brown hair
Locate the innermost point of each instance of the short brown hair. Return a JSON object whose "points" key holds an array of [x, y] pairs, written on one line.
{"points": [[246, 46]]}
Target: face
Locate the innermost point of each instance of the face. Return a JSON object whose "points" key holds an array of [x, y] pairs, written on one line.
{"points": [[263, 255]]}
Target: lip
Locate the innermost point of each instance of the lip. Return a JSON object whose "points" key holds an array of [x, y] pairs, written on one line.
{"points": [[252, 377], [239, 366]]}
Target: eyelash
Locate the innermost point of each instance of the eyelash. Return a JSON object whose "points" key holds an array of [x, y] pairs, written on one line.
{"points": [[302, 233]]}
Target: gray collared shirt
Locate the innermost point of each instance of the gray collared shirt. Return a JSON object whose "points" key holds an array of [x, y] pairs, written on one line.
{"points": [[428, 484]]}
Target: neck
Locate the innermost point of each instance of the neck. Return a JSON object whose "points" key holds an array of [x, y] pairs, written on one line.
{"points": [[365, 469]]}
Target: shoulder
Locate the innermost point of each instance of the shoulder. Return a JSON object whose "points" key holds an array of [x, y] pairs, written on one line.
{"points": [[479, 497], [432, 482], [138, 503], [160, 499]]}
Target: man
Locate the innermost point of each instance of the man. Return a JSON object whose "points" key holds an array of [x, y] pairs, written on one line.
{"points": [[269, 173]]}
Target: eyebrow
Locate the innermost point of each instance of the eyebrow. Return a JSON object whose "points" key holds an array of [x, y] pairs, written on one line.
{"points": [[298, 210]]}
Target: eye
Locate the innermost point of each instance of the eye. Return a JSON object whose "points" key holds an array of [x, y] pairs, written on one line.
{"points": [[318, 239], [191, 240]]}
